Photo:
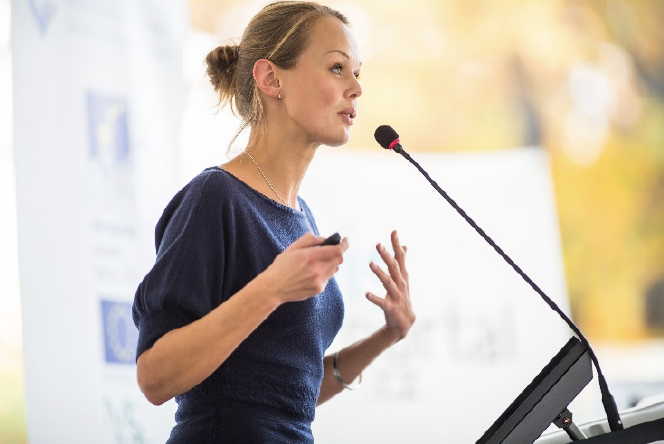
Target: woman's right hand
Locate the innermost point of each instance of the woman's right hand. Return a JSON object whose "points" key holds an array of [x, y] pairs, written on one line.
{"points": [[186, 356], [303, 269]]}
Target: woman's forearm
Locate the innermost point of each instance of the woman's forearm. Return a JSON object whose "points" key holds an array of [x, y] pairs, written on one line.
{"points": [[184, 357], [353, 359]]}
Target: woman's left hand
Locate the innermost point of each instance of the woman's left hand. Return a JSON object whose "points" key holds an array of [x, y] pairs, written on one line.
{"points": [[399, 316]]}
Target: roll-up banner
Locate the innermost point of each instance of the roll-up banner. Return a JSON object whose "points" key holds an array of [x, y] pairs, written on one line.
{"points": [[98, 95]]}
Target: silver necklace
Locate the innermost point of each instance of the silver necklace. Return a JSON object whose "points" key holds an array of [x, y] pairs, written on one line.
{"points": [[267, 181]]}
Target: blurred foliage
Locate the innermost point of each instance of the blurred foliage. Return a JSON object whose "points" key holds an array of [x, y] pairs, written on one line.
{"points": [[583, 79]]}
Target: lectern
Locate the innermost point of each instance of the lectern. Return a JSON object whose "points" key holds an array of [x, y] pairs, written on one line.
{"points": [[545, 399]]}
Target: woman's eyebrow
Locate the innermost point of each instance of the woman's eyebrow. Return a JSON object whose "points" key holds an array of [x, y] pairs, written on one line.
{"points": [[340, 52]]}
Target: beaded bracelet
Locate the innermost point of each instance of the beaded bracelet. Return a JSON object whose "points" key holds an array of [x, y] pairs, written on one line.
{"points": [[335, 370]]}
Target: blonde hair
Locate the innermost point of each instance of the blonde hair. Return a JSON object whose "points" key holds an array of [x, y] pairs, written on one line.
{"points": [[278, 33]]}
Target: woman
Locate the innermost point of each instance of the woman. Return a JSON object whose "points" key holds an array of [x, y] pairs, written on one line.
{"points": [[240, 306]]}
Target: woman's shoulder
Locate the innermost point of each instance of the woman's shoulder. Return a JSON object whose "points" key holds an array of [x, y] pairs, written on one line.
{"points": [[211, 183], [210, 177], [207, 191]]}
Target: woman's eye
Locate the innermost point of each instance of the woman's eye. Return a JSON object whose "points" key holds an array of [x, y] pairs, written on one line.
{"points": [[337, 69], [357, 75]]}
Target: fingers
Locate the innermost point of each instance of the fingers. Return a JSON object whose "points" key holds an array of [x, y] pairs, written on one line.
{"points": [[307, 240], [399, 254], [396, 265], [380, 302], [341, 246], [310, 240], [399, 316], [344, 244], [329, 257], [395, 280], [392, 264], [385, 279]]}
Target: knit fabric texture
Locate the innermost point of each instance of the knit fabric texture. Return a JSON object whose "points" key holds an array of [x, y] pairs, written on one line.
{"points": [[215, 236]]}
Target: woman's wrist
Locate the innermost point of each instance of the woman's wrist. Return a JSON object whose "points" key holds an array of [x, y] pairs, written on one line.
{"points": [[260, 287], [392, 334], [337, 375]]}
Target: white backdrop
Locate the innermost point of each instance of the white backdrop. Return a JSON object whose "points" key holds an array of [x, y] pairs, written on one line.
{"points": [[482, 333], [98, 95]]}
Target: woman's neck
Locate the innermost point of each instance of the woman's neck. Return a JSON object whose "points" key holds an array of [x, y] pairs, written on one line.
{"points": [[274, 168]]}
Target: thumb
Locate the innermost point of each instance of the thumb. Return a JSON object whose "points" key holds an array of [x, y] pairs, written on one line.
{"points": [[308, 240]]}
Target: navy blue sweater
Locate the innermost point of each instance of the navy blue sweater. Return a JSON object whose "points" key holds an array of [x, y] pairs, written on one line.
{"points": [[215, 236]]}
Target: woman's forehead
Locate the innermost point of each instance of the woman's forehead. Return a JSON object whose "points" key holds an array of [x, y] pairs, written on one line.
{"points": [[330, 35]]}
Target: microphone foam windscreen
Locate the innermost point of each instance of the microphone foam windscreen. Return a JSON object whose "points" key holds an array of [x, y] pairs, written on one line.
{"points": [[385, 135]]}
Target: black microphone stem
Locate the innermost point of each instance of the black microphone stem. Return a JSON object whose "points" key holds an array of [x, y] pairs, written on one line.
{"points": [[609, 403]]}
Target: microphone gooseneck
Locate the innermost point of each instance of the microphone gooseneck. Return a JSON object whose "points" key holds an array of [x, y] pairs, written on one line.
{"points": [[388, 138]]}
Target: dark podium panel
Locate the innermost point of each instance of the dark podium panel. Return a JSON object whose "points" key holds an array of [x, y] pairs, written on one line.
{"points": [[544, 399]]}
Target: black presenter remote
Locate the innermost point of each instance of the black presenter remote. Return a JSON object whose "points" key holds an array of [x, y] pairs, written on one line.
{"points": [[332, 240]]}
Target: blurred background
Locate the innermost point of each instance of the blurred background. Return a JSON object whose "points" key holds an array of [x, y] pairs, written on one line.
{"points": [[582, 81]]}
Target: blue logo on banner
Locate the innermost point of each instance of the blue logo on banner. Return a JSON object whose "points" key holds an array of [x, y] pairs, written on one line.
{"points": [[120, 334], [42, 11], [107, 129]]}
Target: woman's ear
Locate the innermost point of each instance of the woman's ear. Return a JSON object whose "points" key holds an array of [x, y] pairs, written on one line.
{"points": [[266, 76]]}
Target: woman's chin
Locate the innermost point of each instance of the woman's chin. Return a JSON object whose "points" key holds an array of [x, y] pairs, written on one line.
{"points": [[338, 140]]}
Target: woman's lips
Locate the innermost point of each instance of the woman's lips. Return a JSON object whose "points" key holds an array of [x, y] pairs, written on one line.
{"points": [[348, 115]]}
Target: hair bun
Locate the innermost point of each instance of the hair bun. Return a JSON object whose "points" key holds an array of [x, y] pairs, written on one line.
{"points": [[221, 63]]}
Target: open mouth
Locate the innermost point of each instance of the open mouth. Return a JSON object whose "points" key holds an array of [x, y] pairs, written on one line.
{"points": [[348, 115]]}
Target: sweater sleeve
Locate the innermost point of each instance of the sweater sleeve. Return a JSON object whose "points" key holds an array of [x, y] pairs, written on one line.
{"points": [[186, 280]]}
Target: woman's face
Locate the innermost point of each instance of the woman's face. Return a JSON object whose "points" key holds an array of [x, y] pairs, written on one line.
{"points": [[321, 91]]}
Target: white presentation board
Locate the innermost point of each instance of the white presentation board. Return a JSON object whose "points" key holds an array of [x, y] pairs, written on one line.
{"points": [[482, 333]]}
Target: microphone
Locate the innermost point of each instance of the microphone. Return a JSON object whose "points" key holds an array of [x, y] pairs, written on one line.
{"points": [[388, 138]]}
